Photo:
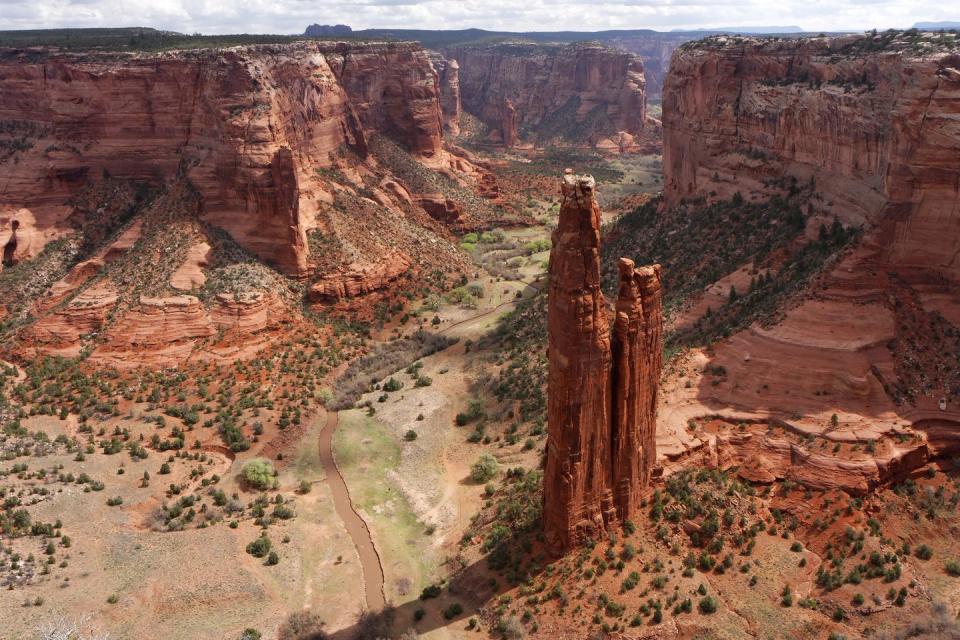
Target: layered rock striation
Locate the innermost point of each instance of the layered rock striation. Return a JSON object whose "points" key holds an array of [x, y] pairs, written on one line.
{"points": [[448, 77], [602, 388], [872, 124], [247, 126], [869, 126], [578, 93]]}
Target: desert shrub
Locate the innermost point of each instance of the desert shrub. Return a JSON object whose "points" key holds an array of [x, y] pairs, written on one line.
{"points": [[259, 473], [708, 605], [283, 512], [432, 591], [260, 547], [302, 625], [953, 568], [376, 625], [484, 469], [453, 611], [924, 552]]}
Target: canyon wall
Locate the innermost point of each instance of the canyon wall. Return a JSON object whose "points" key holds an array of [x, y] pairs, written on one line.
{"points": [[656, 51], [247, 126], [601, 393], [874, 125], [448, 77], [863, 130], [578, 93]]}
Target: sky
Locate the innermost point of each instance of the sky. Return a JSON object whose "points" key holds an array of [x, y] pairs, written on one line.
{"points": [[292, 16]]}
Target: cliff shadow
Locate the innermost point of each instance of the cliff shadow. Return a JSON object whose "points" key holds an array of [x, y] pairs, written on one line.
{"points": [[465, 595]]}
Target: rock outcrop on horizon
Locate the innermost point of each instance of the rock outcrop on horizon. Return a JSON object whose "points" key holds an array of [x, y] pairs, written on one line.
{"points": [[578, 94], [601, 393]]}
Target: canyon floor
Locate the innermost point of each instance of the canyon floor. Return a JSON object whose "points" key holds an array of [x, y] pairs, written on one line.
{"points": [[809, 521]]}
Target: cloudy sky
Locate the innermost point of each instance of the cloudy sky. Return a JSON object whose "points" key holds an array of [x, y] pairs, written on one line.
{"points": [[292, 16]]}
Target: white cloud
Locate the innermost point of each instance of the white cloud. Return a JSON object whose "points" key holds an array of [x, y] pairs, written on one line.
{"points": [[292, 16]]}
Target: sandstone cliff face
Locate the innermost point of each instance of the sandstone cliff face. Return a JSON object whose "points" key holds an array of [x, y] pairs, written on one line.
{"points": [[872, 130], [656, 50], [877, 132], [579, 93], [601, 399], [394, 90], [448, 77], [247, 126], [357, 280]]}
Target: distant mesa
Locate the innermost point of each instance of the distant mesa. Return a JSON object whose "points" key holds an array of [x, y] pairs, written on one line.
{"points": [[320, 30], [754, 31], [937, 26]]}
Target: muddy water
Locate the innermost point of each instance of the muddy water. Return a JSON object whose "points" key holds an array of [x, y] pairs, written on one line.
{"points": [[356, 527]]}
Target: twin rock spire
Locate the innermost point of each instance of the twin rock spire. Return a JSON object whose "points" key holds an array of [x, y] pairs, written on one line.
{"points": [[602, 389]]}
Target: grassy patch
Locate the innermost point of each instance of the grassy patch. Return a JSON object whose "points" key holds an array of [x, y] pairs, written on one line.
{"points": [[366, 454]]}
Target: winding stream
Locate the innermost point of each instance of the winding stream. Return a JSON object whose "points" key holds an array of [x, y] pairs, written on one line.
{"points": [[355, 525]]}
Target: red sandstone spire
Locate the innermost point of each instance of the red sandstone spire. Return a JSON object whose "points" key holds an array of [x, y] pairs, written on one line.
{"points": [[637, 355], [577, 479], [601, 403]]}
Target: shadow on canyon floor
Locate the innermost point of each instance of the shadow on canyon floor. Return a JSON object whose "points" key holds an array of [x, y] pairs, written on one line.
{"points": [[471, 588]]}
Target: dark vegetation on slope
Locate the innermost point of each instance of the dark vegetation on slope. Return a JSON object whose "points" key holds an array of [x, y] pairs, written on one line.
{"points": [[169, 214], [420, 179], [736, 232], [383, 360], [564, 125], [552, 161]]}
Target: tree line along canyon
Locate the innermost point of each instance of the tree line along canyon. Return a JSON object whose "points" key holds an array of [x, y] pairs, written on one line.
{"points": [[466, 335]]}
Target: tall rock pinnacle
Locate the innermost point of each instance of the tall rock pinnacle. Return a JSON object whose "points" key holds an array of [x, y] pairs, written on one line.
{"points": [[601, 403], [578, 500], [637, 359]]}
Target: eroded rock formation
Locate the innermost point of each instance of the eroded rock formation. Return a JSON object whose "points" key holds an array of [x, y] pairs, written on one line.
{"points": [[247, 126], [868, 127], [448, 77], [360, 279], [508, 124], [637, 360], [580, 93], [875, 130], [601, 401]]}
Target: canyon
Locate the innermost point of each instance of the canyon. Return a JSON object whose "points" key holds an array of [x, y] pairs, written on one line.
{"points": [[247, 127], [579, 94], [347, 262], [601, 390], [274, 151]]}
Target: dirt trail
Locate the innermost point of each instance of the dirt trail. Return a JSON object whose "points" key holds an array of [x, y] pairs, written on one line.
{"points": [[355, 525]]}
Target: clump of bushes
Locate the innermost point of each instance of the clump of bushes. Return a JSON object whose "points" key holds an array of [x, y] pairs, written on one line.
{"points": [[484, 469], [259, 473]]}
